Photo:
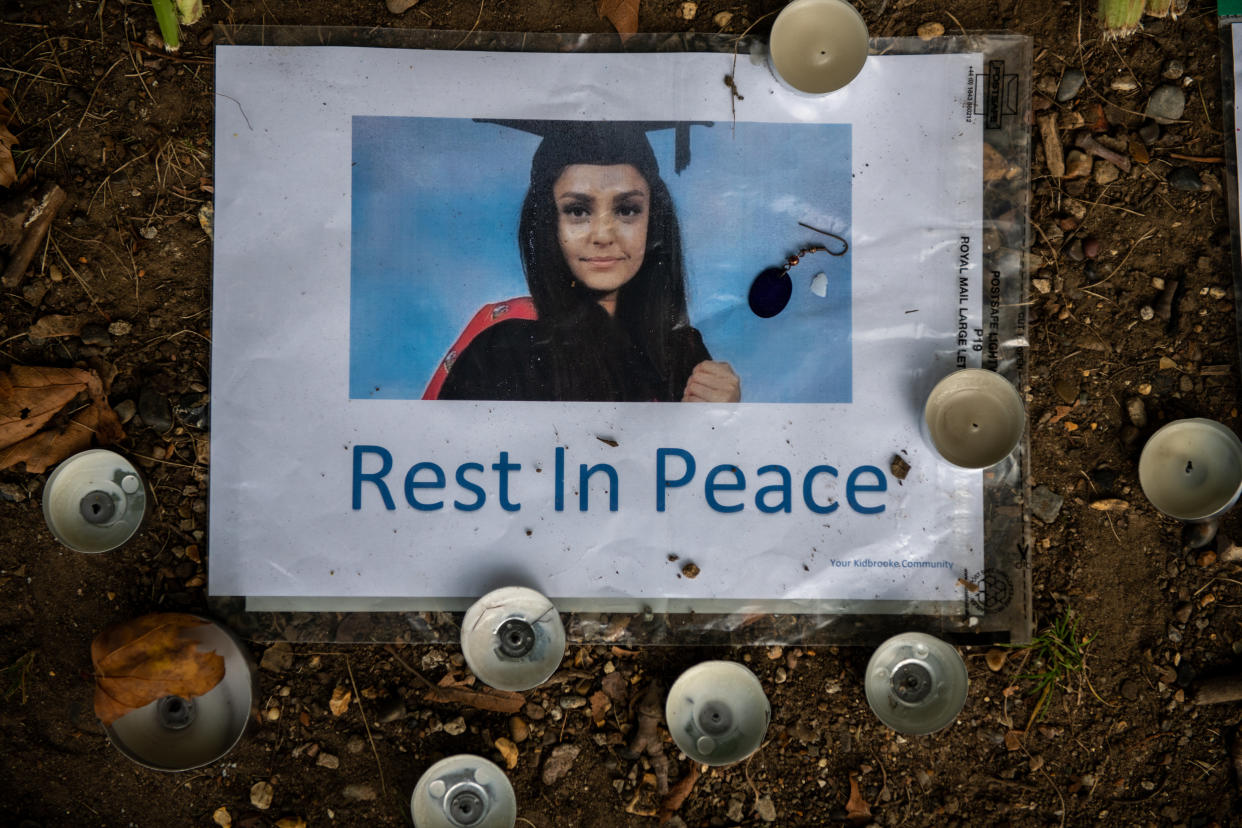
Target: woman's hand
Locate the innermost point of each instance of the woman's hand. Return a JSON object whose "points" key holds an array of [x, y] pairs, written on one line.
{"points": [[712, 382]]}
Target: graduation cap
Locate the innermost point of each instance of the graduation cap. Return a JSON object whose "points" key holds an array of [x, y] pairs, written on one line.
{"points": [[600, 142]]}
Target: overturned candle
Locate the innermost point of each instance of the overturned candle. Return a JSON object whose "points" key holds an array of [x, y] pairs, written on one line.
{"points": [[717, 712], [1192, 469], [817, 46], [974, 418], [464, 791], [916, 683]]}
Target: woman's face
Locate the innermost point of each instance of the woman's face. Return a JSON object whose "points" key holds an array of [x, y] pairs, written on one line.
{"points": [[602, 225]]}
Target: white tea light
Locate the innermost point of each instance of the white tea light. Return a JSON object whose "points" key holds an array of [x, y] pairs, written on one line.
{"points": [[177, 734], [974, 418], [513, 638], [94, 501], [817, 46], [1192, 469], [717, 712], [463, 791], [916, 683]]}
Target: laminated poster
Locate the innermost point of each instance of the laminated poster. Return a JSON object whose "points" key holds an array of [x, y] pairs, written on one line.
{"points": [[485, 319]]}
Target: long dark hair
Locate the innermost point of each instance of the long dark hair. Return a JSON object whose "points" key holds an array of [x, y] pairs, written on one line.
{"points": [[650, 307]]}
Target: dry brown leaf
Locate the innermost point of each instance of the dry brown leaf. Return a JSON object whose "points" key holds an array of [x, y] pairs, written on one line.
{"points": [[148, 658], [623, 14], [30, 396], [56, 325], [857, 811], [678, 793], [340, 700], [1013, 740], [508, 750], [1062, 412], [291, 822], [485, 698], [600, 705]]}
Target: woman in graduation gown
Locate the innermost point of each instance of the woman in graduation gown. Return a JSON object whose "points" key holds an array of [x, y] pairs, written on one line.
{"points": [[606, 318]]}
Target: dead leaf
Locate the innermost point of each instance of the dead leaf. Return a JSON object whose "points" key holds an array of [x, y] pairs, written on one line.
{"points": [[148, 658], [1110, 504], [623, 14], [1013, 740], [290, 822], [1062, 412], [600, 705], [1167, 364], [31, 396], [340, 700], [857, 811], [970, 586], [678, 793], [508, 750], [485, 698], [57, 325], [995, 659]]}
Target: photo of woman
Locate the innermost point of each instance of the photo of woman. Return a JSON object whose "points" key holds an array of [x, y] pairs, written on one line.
{"points": [[606, 319], [589, 261]]}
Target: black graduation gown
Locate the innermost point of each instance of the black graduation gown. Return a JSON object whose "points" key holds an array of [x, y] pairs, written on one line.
{"points": [[513, 360]]}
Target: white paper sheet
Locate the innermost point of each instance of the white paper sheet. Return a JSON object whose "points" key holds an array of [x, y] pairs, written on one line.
{"points": [[288, 427]]}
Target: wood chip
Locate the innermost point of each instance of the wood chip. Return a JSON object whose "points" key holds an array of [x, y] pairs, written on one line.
{"points": [[508, 750], [1110, 504], [1013, 740], [340, 701], [1054, 153], [485, 698]]}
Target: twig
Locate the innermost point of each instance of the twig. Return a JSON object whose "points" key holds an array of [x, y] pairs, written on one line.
{"points": [[95, 91], [1125, 258], [472, 28], [379, 766]]}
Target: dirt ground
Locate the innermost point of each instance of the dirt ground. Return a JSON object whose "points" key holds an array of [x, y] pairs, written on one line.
{"points": [[1132, 324]]}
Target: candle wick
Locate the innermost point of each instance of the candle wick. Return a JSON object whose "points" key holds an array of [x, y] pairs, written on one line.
{"points": [[1189, 466]]}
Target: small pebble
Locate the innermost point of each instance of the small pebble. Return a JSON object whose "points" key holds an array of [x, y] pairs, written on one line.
{"points": [[765, 809], [723, 19], [12, 492], [1166, 104], [222, 817], [930, 30], [95, 334], [154, 410], [455, 727], [1071, 85], [1146, 313], [1091, 245], [689, 10], [400, 6], [1077, 164], [327, 760], [1185, 178], [120, 328], [1173, 69], [1124, 84], [1046, 504], [1137, 412], [1042, 285], [1149, 132], [277, 658], [519, 730], [572, 702], [691, 570], [782, 675], [559, 763], [359, 792], [261, 794]]}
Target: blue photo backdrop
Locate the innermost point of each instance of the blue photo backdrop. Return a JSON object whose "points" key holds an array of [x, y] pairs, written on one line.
{"points": [[435, 208]]}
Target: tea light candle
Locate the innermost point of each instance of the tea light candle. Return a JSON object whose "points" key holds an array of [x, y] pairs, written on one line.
{"points": [[717, 712], [94, 501], [916, 683], [974, 418], [817, 46], [1192, 469]]}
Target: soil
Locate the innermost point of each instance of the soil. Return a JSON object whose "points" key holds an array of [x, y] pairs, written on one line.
{"points": [[1116, 741]]}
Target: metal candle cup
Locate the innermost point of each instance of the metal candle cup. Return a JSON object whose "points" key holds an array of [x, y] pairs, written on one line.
{"points": [[177, 734], [916, 683], [1192, 469], [974, 418], [817, 46], [94, 501], [513, 638], [717, 712], [464, 791]]}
